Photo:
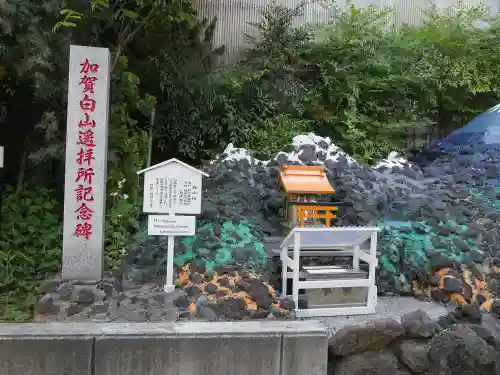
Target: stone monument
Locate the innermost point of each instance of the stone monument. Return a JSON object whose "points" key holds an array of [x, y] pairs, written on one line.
{"points": [[86, 163]]}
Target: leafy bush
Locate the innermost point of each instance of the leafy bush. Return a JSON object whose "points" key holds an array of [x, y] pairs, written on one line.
{"points": [[273, 134], [374, 88], [30, 248], [31, 236], [358, 95], [455, 58], [128, 146]]}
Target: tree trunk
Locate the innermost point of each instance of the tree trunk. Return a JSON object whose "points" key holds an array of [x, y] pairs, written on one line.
{"points": [[23, 166]]}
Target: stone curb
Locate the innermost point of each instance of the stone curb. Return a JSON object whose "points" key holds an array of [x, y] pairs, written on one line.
{"points": [[192, 348]]}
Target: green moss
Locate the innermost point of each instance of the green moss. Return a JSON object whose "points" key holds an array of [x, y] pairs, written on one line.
{"points": [[414, 243], [235, 243], [405, 245]]}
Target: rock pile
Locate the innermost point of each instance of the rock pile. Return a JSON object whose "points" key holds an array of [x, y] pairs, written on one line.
{"points": [[235, 295], [463, 342], [438, 214], [199, 295], [440, 236], [105, 301]]}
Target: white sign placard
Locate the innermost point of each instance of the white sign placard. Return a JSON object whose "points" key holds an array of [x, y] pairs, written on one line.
{"points": [[165, 225], [1, 156], [172, 188], [86, 163]]}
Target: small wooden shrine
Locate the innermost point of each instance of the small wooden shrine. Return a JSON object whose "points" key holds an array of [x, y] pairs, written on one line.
{"points": [[308, 196]]}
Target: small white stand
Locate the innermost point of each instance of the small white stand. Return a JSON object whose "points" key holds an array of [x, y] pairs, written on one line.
{"points": [[332, 238], [169, 281]]}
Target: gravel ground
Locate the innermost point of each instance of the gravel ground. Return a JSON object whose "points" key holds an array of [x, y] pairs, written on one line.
{"points": [[387, 307]]}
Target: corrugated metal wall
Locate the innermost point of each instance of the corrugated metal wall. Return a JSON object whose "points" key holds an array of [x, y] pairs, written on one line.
{"points": [[235, 15], [410, 11]]}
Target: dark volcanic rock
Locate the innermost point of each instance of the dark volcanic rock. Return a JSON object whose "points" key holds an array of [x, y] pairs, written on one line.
{"points": [[232, 308], [374, 335], [435, 212], [419, 325], [382, 362], [452, 285], [414, 355], [468, 313], [488, 330], [260, 294], [308, 153], [462, 348], [459, 351], [48, 305]]}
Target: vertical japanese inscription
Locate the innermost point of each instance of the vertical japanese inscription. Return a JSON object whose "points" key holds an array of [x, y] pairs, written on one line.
{"points": [[85, 155], [86, 159]]}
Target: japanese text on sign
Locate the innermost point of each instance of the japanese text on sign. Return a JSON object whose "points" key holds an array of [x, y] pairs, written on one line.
{"points": [[85, 156], [171, 192], [172, 188]]}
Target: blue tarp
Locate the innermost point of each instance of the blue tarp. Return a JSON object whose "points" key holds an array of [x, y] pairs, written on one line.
{"points": [[482, 133], [482, 130]]}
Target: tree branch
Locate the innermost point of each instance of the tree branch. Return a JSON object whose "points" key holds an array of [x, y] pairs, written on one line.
{"points": [[152, 13], [127, 36]]}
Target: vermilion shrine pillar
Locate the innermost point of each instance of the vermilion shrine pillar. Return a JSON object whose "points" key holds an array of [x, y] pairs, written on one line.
{"points": [[86, 163]]}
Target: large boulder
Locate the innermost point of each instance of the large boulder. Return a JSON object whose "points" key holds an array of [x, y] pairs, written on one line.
{"points": [[382, 362], [488, 330], [374, 335], [419, 325], [381, 347], [459, 351], [414, 354]]}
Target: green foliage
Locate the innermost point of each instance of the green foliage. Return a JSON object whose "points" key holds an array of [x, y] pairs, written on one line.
{"points": [[30, 249], [202, 108], [357, 95], [23, 40], [31, 236], [371, 88], [127, 20], [127, 155], [374, 88], [129, 15], [456, 61], [190, 97], [272, 135]]}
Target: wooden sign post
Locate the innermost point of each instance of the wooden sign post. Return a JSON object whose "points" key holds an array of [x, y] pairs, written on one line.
{"points": [[172, 187], [86, 163]]}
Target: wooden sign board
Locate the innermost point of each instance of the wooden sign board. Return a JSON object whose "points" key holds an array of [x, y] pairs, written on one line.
{"points": [[172, 187]]}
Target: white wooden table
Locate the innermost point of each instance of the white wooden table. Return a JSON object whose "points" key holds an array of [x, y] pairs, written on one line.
{"points": [[347, 239]]}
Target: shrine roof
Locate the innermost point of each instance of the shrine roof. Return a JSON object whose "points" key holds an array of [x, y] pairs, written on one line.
{"points": [[299, 179], [169, 161]]}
